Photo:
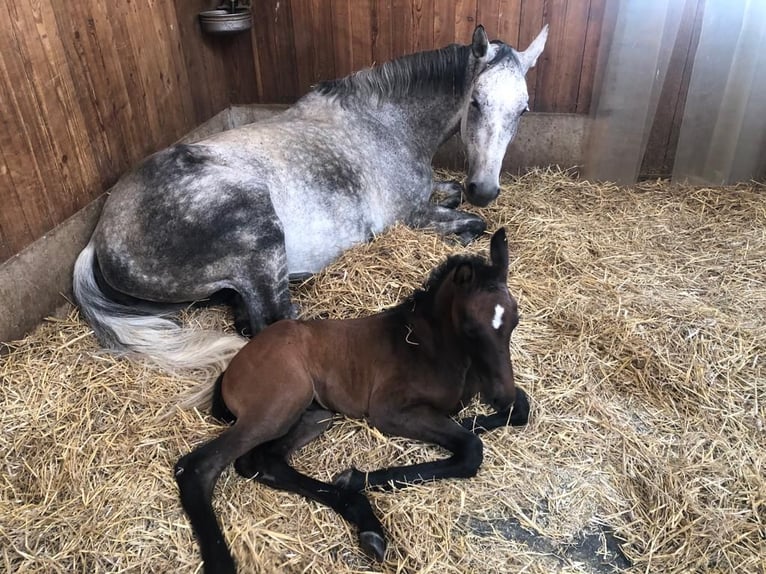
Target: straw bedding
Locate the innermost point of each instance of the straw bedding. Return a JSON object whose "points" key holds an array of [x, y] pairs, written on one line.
{"points": [[641, 344]]}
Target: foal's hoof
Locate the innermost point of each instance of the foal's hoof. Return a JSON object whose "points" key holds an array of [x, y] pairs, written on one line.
{"points": [[520, 412], [350, 479], [373, 544]]}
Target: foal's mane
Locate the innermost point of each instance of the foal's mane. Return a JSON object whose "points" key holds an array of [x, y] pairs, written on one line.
{"points": [[443, 70], [422, 299]]}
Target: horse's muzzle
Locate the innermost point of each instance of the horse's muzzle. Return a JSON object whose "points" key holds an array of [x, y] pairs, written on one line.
{"points": [[481, 195]]}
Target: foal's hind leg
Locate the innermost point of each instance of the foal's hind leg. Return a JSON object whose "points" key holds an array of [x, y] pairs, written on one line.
{"points": [[196, 475], [267, 463]]}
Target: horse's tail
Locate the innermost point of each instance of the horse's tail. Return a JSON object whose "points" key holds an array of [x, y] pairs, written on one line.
{"points": [[145, 331]]}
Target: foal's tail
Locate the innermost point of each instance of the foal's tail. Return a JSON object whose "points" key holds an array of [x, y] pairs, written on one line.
{"points": [[145, 331]]}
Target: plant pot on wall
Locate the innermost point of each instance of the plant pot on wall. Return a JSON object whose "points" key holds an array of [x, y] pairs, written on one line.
{"points": [[228, 19]]}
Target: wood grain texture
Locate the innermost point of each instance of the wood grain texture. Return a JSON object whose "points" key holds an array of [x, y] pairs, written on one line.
{"points": [[89, 88]]}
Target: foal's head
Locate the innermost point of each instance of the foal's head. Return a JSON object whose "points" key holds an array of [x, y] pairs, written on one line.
{"points": [[482, 314]]}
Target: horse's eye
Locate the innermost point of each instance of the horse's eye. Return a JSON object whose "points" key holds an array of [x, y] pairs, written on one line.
{"points": [[474, 103]]}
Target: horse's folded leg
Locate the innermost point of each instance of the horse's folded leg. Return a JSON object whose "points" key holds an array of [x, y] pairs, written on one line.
{"points": [[466, 226], [447, 194]]}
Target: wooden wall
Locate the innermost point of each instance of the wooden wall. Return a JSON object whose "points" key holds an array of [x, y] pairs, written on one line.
{"points": [[88, 88], [299, 42]]}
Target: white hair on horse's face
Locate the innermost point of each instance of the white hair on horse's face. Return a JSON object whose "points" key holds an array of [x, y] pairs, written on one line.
{"points": [[492, 110], [491, 118]]}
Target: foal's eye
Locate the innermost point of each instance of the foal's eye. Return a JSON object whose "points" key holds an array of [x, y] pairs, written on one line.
{"points": [[474, 103]]}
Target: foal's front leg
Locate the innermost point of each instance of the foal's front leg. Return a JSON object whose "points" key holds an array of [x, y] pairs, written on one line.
{"points": [[428, 425], [516, 416]]}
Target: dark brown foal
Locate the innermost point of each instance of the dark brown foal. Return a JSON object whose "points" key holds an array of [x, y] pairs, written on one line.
{"points": [[406, 370]]}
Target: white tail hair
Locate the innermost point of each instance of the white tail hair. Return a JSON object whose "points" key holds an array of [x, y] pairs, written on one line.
{"points": [[147, 333]]}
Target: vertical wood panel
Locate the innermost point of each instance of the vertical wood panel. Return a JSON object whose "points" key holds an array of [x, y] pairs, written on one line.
{"points": [[402, 25], [360, 12], [465, 20], [533, 17], [382, 35], [663, 138], [559, 84], [501, 19], [89, 88], [595, 23], [342, 54], [423, 25]]}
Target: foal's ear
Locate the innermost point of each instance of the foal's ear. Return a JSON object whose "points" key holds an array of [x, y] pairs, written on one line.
{"points": [[463, 274], [498, 251], [480, 42]]}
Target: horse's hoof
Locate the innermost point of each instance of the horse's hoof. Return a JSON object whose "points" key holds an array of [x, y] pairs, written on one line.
{"points": [[373, 544], [350, 479]]}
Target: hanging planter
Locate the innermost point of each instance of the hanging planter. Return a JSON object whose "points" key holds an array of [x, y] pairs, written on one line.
{"points": [[228, 19]]}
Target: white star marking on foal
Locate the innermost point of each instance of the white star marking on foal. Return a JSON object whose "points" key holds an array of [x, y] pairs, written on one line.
{"points": [[497, 320]]}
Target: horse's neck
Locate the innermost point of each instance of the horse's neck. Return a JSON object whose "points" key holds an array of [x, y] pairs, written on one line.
{"points": [[426, 121]]}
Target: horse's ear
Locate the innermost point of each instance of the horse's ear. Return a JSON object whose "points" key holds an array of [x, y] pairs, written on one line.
{"points": [[529, 56], [463, 274], [480, 42], [498, 252]]}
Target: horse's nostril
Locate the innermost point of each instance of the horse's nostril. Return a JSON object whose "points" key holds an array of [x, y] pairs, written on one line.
{"points": [[471, 188]]}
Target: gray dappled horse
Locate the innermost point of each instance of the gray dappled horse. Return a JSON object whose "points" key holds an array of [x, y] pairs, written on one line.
{"points": [[245, 210]]}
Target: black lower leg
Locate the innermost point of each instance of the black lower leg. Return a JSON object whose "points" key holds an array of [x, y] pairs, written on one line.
{"points": [[270, 468], [427, 426], [517, 416]]}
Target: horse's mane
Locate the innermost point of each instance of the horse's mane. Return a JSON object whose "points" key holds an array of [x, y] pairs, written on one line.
{"points": [[422, 299], [423, 72]]}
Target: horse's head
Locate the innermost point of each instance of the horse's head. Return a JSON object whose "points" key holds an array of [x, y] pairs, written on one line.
{"points": [[494, 104], [484, 314]]}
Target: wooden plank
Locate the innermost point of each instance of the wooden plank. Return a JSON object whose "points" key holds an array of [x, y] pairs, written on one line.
{"points": [[444, 23], [91, 60], [25, 163], [401, 24], [15, 233], [382, 33], [204, 80], [275, 51], [533, 16], [501, 19], [466, 12], [559, 84], [423, 25], [663, 137], [361, 34], [341, 17], [50, 121], [322, 30], [303, 43], [590, 55]]}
